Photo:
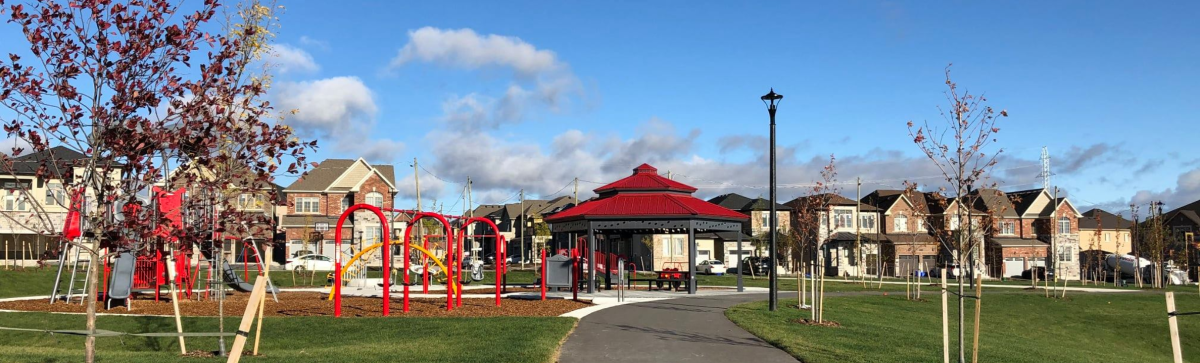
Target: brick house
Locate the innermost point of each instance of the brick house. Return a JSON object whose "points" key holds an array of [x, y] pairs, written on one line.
{"points": [[907, 245], [317, 199], [1053, 221]]}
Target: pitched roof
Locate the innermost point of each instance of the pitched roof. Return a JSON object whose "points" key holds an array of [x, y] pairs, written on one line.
{"points": [[741, 203], [883, 199], [487, 210], [28, 164], [732, 201], [645, 178], [1190, 215], [327, 172], [833, 200], [1107, 220], [645, 194], [1023, 199], [995, 202], [321, 176]]}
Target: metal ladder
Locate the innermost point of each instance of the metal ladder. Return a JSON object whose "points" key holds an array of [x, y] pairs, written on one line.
{"points": [[70, 258]]}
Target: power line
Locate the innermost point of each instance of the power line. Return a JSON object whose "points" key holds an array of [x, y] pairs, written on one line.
{"points": [[435, 175]]}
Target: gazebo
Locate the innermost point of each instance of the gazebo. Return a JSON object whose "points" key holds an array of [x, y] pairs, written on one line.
{"points": [[646, 203]]}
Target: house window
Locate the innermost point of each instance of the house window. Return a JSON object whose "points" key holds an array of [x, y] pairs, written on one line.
{"points": [[1107, 237], [248, 201], [308, 205], [14, 201], [954, 223], [375, 199], [674, 246], [843, 219], [1064, 254], [1008, 227], [867, 221], [901, 222], [346, 201], [55, 194], [921, 225], [1064, 225]]}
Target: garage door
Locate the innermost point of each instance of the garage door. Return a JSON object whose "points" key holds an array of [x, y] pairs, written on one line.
{"points": [[1013, 266]]}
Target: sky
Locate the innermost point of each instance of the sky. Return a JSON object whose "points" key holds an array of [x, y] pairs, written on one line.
{"points": [[531, 95]]}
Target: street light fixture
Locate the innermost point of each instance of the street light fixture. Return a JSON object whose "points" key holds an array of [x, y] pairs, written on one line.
{"points": [[772, 101]]}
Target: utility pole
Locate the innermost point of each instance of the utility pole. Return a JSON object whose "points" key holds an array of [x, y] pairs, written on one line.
{"points": [[858, 227], [576, 190], [417, 182], [521, 237], [1054, 235]]}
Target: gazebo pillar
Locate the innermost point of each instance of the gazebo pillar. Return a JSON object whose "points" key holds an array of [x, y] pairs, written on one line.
{"points": [[738, 261], [691, 258], [590, 258]]}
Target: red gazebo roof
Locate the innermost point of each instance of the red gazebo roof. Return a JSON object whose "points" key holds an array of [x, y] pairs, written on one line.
{"points": [[645, 194]]}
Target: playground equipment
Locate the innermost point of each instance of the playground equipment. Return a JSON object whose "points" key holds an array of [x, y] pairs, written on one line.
{"points": [[387, 259], [358, 258]]}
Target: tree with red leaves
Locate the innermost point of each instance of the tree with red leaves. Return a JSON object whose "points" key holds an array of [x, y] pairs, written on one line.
{"points": [[130, 85]]}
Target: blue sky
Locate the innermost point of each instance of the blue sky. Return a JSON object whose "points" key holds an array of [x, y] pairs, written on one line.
{"points": [[530, 95]]}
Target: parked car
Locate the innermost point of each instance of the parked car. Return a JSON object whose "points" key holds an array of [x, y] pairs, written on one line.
{"points": [[1038, 271], [757, 266], [310, 262], [712, 267]]}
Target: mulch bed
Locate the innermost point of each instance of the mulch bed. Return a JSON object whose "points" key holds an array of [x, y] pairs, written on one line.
{"points": [[810, 322], [313, 304]]}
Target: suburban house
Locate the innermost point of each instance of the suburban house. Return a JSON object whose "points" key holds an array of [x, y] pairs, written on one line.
{"points": [[34, 208], [907, 244], [521, 224], [848, 233], [1011, 245], [1183, 220], [757, 229], [1053, 221], [1100, 234], [317, 199]]}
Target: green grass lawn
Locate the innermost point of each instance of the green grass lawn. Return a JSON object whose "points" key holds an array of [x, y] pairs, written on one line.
{"points": [[1016, 327], [297, 339], [26, 282]]}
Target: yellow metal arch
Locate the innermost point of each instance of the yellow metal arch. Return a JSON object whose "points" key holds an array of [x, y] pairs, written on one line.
{"points": [[453, 284]]}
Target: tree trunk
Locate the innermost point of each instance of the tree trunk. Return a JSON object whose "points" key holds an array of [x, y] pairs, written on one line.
{"points": [[961, 318], [89, 344]]}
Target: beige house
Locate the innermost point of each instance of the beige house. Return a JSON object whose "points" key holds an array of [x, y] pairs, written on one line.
{"points": [[1103, 231], [33, 209]]}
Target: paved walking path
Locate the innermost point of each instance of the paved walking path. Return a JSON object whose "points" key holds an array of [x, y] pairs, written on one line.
{"points": [[688, 329]]}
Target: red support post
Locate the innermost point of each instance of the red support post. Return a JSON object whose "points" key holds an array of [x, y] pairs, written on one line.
{"points": [[337, 259], [458, 271], [450, 272], [408, 234], [425, 266], [543, 274]]}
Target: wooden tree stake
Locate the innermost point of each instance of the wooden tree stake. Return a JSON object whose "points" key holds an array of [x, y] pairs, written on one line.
{"points": [[978, 302], [258, 328], [1175, 349], [945, 322], [256, 298]]}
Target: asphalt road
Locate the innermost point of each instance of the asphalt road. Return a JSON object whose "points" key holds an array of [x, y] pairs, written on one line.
{"points": [[689, 329]]}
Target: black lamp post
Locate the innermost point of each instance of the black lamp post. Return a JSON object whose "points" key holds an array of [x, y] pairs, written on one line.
{"points": [[772, 101]]}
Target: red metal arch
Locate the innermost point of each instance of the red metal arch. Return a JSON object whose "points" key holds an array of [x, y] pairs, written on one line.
{"points": [[387, 258], [501, 265], [451, 265]]}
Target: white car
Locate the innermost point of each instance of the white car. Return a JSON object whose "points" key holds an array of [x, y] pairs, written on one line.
{"points": [[712, 267], [310, 263]]}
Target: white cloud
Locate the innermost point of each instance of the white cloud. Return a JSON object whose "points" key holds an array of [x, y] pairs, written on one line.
{"points": [[540, 80], [7, 146], [465, 49], [339, 109], [325, 105], [290, 59], [313, 42], [1186, 190]]}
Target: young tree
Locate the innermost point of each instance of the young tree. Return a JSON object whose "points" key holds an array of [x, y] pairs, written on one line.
{"points": [[127, 85], [809, 215], [959, 149]]}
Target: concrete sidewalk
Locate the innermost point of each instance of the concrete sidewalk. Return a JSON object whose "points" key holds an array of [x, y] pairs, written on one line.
{"points": [[685, 329]]}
